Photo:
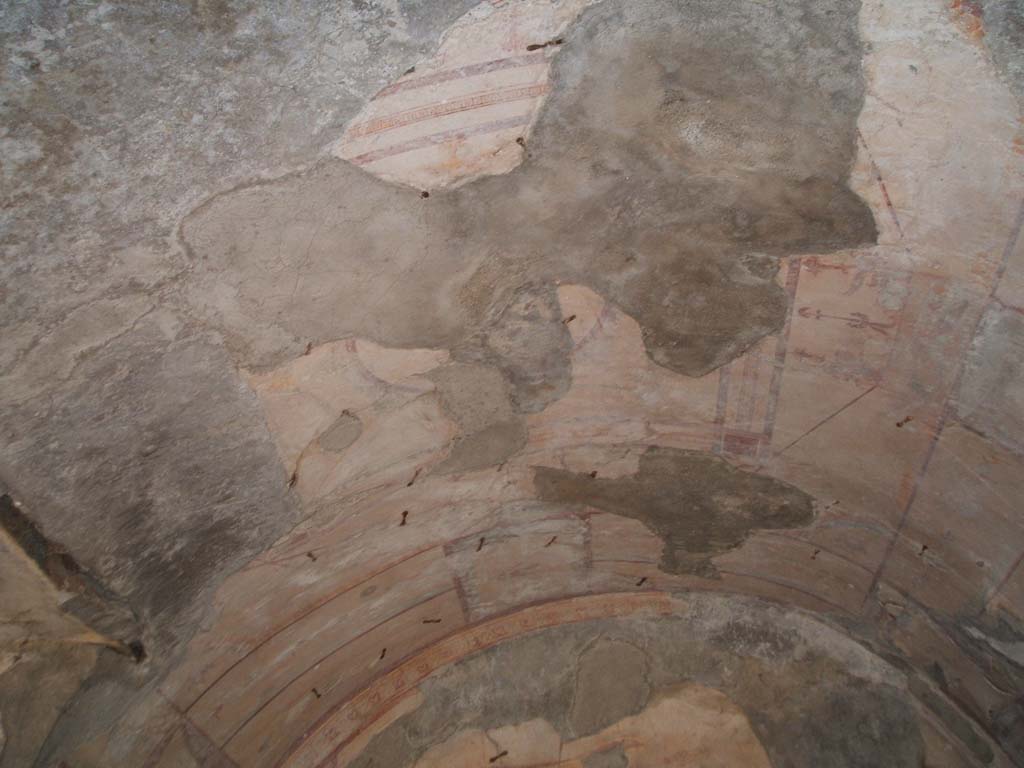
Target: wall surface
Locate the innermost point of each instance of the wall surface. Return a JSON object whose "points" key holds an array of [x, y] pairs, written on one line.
{"points": [[531, 382]]}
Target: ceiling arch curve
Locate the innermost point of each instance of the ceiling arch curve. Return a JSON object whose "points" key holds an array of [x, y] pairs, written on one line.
{"points": [[603, 318]]}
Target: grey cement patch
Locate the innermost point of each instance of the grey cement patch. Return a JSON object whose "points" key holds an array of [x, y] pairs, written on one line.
{"points": [[698, 504], [342, 433], [680, 146], [477, 398], [485, 448], [816, 699], [526, 338], [600, 699], [1004, 35]]}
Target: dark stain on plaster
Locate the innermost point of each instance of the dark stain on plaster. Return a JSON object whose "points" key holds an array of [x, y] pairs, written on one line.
{"points": [[682, 151], [52, 559], [698, 504], [847, 717], [538, 46], [345, 430]]}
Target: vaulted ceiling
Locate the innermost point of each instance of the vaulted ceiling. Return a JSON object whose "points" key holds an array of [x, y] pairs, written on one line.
{"points": [[580, 383]]}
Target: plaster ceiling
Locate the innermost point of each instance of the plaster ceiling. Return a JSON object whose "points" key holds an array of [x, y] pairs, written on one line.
{"points": [[433, 383]]}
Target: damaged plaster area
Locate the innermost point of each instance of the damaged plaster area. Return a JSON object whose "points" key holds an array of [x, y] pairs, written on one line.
{"points": [[390, 382], [699, 505], [728, 683], [680, 152]]}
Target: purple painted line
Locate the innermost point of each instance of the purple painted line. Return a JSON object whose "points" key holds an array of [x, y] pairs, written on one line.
{"points": [[778, 368], [720, 406], [445, 108], [440, 138], [472, 70]]}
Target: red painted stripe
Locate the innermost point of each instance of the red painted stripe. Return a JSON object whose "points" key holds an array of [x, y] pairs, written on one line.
{"points": [[439, 138], [445, 108], [322, 659], [786, 584], [775, 388], [315, 607], [420, 674], [472, 70]]}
